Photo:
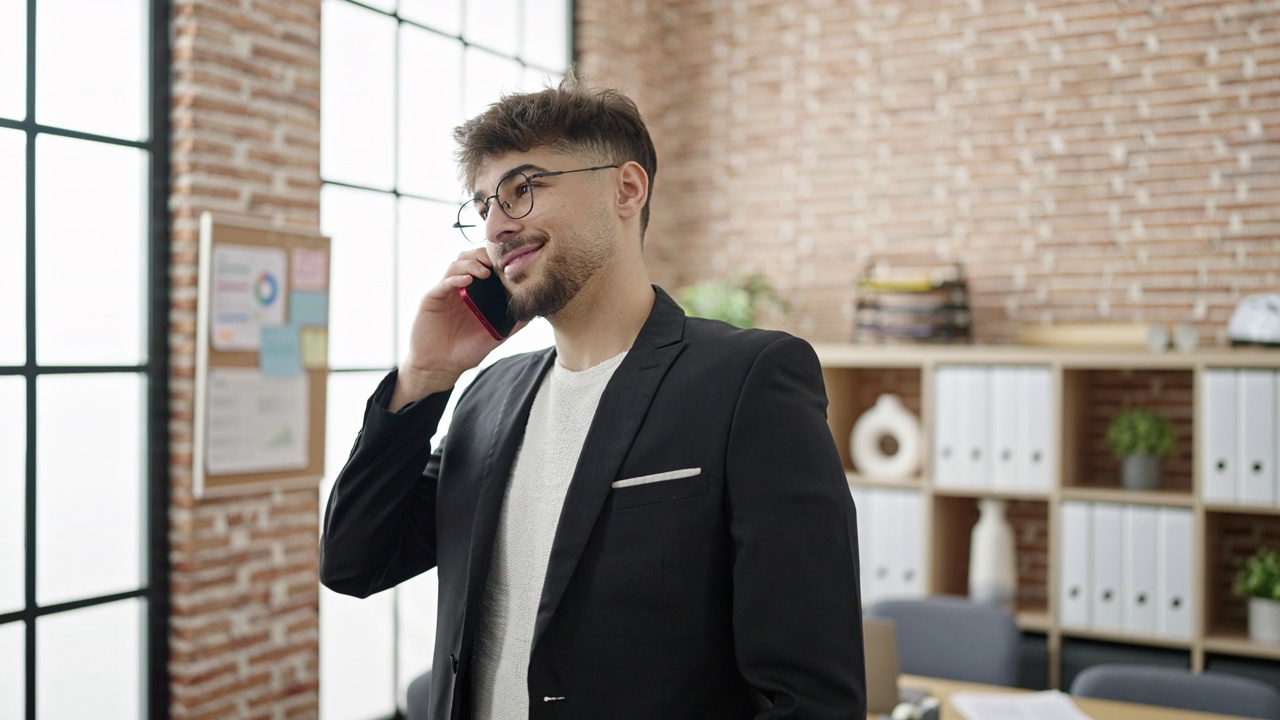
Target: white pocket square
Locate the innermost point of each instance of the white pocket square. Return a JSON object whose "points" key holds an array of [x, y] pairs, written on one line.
{"points": [[657, 477]]}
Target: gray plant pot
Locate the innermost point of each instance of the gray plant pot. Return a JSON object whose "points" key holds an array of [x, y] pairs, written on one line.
{"points": [[1140, 472]]}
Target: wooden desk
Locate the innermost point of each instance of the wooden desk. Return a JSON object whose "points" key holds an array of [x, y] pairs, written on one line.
{"points": [[1095, 708]]}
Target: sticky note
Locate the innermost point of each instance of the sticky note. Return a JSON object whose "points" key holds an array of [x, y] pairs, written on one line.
{"points": [[309, 269], [280, 354], [308, 308], [315, 348]]}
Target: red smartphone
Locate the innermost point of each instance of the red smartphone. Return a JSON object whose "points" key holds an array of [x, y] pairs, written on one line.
{"points": [[487, 298]]}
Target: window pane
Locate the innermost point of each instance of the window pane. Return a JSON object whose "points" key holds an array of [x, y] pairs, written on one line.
{"points": [[357, 84], [355, 635], [89, 663], [91, 211], [492, 23], [356, 675], [546, 34], [13, 243], [416, 625], [443, 15], [13, 483], [13, 59], [91, 66], [533, 79], [89, 520], [427, 245], [430, 107], [344, 414], [488, 76], [13, 670], [362, 302]]}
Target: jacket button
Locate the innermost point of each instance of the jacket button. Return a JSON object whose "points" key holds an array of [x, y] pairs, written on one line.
{"points": [[453, 660]]}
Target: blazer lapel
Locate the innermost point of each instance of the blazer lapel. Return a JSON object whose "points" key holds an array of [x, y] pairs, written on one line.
{"points": [[508, 432], [618, 417]]}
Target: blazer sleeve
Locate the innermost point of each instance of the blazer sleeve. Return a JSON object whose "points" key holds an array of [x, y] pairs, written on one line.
{"points": [[379, 525], [797, 614]]}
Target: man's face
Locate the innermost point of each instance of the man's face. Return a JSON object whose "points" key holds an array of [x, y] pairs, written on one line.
{"points": [[546, 257]]}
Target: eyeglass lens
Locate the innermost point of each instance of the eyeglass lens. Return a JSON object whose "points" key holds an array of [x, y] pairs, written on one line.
{"points": [[514, 197]]}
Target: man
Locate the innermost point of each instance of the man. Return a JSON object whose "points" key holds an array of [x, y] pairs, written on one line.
{"points": [[648, 520]]}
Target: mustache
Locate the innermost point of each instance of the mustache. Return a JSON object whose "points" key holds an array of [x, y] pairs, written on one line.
{"points": [[521, 241]]}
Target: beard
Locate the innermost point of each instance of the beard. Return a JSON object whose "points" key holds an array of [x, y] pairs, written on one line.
{"points": [[564, 274]]}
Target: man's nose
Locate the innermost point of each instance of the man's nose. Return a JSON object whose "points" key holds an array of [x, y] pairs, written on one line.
{"points": [[499, 227]]}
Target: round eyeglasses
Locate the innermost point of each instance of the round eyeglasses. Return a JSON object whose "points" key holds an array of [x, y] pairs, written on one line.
{"points": [[514, 195]]}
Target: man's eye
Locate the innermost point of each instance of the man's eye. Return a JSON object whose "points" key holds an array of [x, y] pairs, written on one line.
{"points": [[524, 189]]}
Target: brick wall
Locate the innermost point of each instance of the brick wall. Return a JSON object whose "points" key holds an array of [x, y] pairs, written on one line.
{"points": [[620, 44], [245, 122], [1086, 159]]}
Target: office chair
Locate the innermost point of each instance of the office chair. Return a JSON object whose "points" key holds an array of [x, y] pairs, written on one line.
{"points": [[1177, 688], [954, 638], [418, 697]]}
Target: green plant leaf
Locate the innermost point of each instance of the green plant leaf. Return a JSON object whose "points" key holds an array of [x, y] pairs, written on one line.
{"points": [[1138, 431]]}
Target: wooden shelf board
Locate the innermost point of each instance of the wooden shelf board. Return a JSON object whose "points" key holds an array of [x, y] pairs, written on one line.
{"points": [[1036, 620], [1244, 509], [855, 479], [852, 355], [1175, 498], [977, 493], [1239, 644], [1116, 637]]}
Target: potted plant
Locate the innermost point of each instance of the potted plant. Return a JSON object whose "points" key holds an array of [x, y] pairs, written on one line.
{"points": [[738, 301], [1259, 580], [1141, 439]]}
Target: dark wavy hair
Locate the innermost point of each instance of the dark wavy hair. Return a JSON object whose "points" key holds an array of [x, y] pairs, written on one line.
{"points": [[570, 118]]}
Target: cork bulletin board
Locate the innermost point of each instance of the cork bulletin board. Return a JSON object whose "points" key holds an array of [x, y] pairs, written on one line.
{"points": [[262, 348]]}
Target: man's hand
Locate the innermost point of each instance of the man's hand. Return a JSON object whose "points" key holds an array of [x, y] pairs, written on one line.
{"points": [[446, 339]]}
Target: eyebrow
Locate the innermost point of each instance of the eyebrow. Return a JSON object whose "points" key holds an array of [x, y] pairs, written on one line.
{"points": [[525, 168]]}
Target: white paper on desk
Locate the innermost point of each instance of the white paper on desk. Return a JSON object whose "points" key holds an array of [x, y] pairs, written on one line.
{"points": [[1047, 705]]}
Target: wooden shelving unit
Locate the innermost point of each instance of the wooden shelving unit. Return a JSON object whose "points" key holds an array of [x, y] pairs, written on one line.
{"points": [[1088, 386]]}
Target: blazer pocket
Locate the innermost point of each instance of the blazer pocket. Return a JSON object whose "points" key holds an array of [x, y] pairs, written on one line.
{"points": [[657, 488]]}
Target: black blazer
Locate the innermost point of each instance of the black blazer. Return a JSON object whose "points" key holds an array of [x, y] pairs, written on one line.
{"points": [[721, 594]]}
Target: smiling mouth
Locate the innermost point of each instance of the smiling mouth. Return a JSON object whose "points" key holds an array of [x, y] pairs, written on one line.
{"points": [[516, 260]]}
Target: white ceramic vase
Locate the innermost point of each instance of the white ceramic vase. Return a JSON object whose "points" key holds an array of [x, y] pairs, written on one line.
{"points": [[1264, 620], [993, 569]]}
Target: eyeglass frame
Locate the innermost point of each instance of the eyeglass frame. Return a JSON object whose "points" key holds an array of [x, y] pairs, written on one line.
{"points": [[528, 180]]}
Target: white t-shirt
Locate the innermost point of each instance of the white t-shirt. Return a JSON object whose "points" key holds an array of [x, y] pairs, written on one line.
{"points": [[558, 422]]}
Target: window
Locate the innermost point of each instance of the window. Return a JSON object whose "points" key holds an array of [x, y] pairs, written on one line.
{"points": [[395, 80], [83, 395]]}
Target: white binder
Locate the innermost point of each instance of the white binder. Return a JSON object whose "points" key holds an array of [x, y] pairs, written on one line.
{"points": [[1256, 432], [1074, 555], [862, 503], [909, 517], [1035, 427], [884, 541], [1106, 579], [1175, 602], [946, 452], [1140, 539], [1218, 420], [1006, 404], [974, 419]]}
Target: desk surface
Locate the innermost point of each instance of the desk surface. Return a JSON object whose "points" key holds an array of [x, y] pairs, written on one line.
{"points": [[1095, 708]]}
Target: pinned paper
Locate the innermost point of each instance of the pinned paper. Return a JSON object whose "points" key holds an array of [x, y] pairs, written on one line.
{"points": [[280, 355], [248, 290], [308, 308], [310, 269], [315, 348]]}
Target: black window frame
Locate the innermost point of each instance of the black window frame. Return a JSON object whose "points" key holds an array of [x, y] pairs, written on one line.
{"points": [[155, 370]]}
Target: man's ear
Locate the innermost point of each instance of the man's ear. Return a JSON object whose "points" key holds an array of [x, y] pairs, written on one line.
{"points": [[633, 189]]}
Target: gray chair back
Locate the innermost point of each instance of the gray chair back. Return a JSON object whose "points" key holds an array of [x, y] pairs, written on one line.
{"points": [[1176, 688], [418, 697], [954, 638]]}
